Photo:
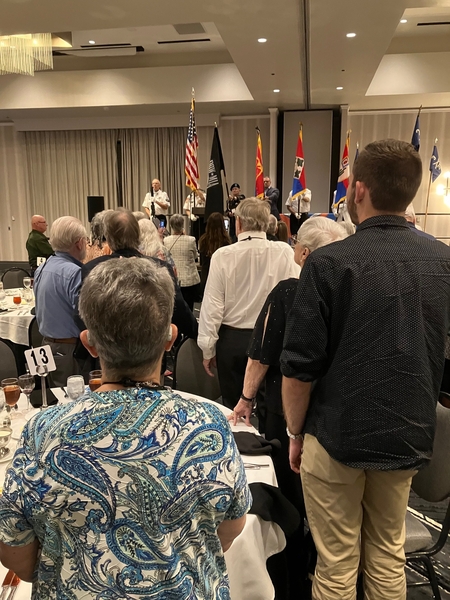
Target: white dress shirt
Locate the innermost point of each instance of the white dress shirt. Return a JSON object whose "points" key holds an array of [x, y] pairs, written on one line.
{"points": [[302, 203], [161, 197], [239, 281]]}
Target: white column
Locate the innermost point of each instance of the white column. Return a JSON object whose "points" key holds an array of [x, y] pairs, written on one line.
{"points": [[273, 145], [345, 124]]}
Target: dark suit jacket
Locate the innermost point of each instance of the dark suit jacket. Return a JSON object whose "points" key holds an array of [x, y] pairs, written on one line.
{"points": [[272, 194], [182, 316]]}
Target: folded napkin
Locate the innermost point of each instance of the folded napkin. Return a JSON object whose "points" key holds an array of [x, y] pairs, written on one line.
{"points": [[271, 505], [254, 445]]}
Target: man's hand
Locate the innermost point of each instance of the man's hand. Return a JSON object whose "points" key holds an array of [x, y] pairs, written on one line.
{"points": [[242, 410], [295, 454], [208, 364]]}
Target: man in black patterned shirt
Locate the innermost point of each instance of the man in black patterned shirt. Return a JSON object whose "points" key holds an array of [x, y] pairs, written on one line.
{"points": [[368, 325]]}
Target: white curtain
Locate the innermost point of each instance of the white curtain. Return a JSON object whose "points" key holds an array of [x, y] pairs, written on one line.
{"points": [[64, 167]]}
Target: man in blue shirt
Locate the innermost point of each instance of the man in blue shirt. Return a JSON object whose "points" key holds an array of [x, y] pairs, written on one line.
{"points": [[57, 285]]}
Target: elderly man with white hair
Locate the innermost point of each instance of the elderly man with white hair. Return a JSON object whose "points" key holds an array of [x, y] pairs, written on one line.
{"points": [[240, 277], [57, 285]]}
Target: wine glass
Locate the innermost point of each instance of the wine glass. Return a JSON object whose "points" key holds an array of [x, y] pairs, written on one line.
{"points": [[27, 283], [95, 380], [11, 390], [17, 298], [27, 385], [75, 386]]}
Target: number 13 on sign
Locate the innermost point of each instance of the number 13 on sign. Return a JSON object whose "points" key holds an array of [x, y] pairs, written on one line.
{"points": [[40, 357]]}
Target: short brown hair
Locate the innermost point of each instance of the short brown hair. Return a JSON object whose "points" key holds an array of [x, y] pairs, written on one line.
{"points": [[392, 172]]}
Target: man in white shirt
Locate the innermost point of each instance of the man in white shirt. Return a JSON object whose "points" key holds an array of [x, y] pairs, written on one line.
{"points": [[240, 278], [158, 204], [299, 208]]}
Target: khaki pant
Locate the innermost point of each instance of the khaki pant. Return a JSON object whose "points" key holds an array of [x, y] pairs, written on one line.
{"points": [[355, 516]]}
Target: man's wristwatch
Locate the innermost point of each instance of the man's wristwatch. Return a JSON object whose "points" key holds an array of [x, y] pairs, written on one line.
{"points": [[252, 400], [294, 436]]}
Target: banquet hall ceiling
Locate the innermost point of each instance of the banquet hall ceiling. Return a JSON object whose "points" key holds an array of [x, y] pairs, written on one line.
{"points": [[213, 46]]}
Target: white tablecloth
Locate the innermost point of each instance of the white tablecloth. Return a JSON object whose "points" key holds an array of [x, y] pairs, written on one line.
{"points": [[14, 325], [246, 559]]}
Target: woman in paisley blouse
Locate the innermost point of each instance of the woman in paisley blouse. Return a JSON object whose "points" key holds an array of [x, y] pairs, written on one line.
{"points": [[131, 491]]}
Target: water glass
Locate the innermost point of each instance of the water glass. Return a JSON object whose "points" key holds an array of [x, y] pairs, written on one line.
{"points": [[27, 283], [75, 386]]}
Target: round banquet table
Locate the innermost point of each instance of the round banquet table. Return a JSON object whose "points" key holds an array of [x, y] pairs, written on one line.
{"points": [[246, 559], [15, 323]]}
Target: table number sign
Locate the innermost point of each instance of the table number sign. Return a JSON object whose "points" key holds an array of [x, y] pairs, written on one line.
{"points": [[40, 357]]}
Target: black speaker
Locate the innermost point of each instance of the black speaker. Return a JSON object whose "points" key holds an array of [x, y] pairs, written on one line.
{"points": [[95, 205]]}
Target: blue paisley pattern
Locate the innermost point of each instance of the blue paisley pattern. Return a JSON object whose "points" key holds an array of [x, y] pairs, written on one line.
{"points": [[125, 491]]}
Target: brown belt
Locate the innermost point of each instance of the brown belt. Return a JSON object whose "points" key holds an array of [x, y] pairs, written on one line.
{"points": [[72, 340]]}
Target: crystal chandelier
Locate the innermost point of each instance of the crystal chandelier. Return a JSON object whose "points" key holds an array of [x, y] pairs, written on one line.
{"points": [[25, 54]]}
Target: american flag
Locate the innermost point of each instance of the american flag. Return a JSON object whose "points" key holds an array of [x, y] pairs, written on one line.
{"points": [[191, 164]]}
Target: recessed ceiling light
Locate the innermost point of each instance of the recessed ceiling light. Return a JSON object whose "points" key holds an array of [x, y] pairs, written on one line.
{"points": [[350, 35], [276, 91], [262, 40], [91, 42], [339, 87], [403, 20]]}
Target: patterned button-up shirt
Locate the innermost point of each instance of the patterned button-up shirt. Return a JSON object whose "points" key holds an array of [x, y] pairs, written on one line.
{"points": [[369, 324]]}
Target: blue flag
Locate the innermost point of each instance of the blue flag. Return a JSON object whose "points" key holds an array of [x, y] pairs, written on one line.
{"points": [[416, 135], [356, 154], [435, 165]]}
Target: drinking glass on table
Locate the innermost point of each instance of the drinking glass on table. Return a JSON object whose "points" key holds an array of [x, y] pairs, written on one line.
{"points": [[11, 390], [27, 385], [17, 298], [5, 436], [95, 380], [75, 386], [27, 283]]}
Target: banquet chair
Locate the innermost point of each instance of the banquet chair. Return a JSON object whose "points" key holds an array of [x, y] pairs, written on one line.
{"points": [[8, 366], [34, 336], [432, 483], [189, 374], [13, 277]]}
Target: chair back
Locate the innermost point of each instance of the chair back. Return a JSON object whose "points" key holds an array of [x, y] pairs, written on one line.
{"points": [[13, 277], [34, 336], [189, 374], [432, 483], [8, 366]]}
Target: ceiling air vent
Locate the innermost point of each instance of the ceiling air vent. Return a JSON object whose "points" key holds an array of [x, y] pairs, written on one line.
{"points": [[433, 23], [189, 28], [185, 41]]}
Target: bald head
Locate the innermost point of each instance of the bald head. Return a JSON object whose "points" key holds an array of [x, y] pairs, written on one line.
{"points": [[38, 223]]}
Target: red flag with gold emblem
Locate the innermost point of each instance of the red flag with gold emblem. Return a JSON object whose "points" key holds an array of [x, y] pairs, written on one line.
{"points": [[259, 183]]}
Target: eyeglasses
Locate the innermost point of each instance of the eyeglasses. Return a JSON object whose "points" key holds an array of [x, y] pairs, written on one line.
{"points": [[294, 239]]}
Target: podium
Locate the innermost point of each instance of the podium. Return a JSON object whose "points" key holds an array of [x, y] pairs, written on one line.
{"points": [[198, 227]]}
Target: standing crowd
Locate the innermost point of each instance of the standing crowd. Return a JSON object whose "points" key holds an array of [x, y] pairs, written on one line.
{"points": [[337, 343]]}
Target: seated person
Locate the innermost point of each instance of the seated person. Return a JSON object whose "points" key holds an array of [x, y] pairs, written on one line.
{"points": [[196, 199], [130, 491]]}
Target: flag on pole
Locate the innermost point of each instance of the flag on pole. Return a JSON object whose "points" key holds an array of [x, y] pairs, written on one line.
{"points": [[344, 176], [435, 165], [259, 182], [214, 191], [356, 153], [299, 183], [415, 141], [191, 163]]}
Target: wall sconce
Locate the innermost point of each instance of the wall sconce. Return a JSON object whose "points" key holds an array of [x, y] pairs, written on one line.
{"points": [[444, 190]]}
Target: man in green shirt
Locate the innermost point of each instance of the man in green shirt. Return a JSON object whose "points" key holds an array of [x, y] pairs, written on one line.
{"points": [[37, 243]]}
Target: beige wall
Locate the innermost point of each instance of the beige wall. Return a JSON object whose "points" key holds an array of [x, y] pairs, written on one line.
{"points": [[367, 127]]}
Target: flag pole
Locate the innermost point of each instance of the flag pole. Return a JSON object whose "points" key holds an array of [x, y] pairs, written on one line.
{"points": [[428, 195]]}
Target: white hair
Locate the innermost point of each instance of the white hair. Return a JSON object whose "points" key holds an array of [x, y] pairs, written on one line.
{"points": [[273, 224], [410, 213], [66, 231], [139, 215], [320, 231], [253, 214], [150, 240]]}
